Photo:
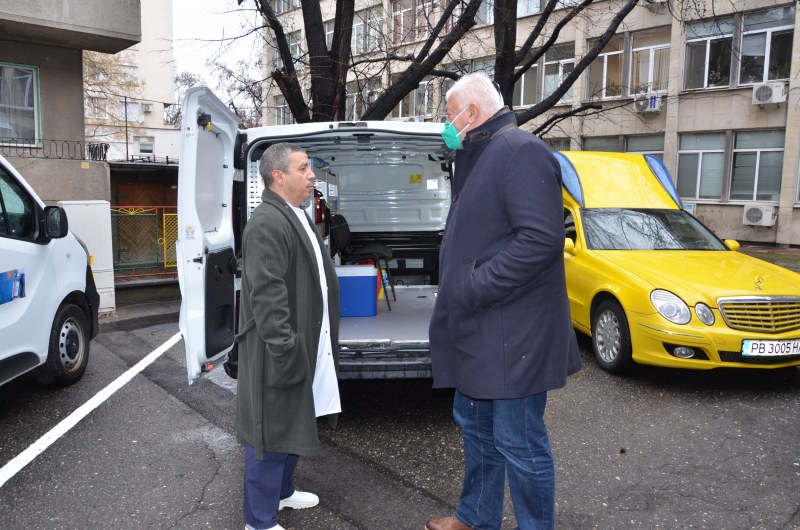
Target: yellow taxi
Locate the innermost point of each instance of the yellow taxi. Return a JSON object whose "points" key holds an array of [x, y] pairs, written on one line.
{"points": [[652, 285]]}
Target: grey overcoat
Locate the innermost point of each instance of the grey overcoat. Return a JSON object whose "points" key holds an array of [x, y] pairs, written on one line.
{"points": [[280, 316]]}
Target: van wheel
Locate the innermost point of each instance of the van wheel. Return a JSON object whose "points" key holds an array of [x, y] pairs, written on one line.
{"points": [[611, 340], [68, 352]]}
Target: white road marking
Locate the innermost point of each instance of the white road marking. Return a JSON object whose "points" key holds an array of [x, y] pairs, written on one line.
{"points": [[26, 457]]}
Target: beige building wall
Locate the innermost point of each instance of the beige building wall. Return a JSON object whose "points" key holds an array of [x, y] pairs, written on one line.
{"points": [[683, 111], [147, 137]]}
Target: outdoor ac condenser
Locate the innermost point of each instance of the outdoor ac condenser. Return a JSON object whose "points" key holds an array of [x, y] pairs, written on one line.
{"points": [[758, 215]]}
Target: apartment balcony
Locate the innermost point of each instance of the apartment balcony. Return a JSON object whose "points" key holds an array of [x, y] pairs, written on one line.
{"points": [[106, 26]]}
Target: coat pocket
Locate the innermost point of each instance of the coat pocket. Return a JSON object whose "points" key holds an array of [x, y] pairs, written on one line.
{"points": [[287, 368]]}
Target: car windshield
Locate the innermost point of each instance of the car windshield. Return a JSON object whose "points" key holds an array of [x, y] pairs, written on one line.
{"points": [[623, 229]]}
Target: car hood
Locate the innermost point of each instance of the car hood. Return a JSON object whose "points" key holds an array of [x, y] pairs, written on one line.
{"points": [[706, 275]]}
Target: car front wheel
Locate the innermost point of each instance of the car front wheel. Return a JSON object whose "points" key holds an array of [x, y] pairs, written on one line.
{"points": [[68, 352], [611, 339]]}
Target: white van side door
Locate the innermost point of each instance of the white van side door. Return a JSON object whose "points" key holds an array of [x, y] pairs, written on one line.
{"points": [[205, 246]]}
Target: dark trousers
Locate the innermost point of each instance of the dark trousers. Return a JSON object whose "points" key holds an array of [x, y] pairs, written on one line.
{"points": [[266, 482]]}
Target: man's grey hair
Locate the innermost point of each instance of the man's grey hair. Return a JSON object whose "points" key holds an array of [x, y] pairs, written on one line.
{"points": [[276, 157], [477, 87]]}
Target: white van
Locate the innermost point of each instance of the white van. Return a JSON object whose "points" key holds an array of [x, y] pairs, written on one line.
{"points": [[390, 180], [48, 299]]}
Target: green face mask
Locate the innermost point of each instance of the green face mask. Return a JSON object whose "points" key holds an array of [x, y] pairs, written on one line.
{"points": [[452, 136]]}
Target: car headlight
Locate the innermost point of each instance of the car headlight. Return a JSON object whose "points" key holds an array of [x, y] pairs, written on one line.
{"points": [[670, 306], [704, 313]]}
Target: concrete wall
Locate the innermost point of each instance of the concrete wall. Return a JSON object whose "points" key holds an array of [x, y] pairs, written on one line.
{"points": [[102, 25], [60, 86], [64, 180]]}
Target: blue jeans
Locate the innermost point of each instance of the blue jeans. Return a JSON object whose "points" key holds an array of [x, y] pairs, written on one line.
{"points": [[505, 435], [266, 482]]}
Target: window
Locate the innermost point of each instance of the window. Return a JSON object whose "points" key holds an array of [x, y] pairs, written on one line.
{"points": [[651, 144], [129, 71], [419, 102], [485, 14], [602, 143], [558, 63], [701, 165], [283, 116], [128, 110], [708, 53], [17, 216], [97, 108], [295, 50], [605, 72], [281, 6], [766, 45], [329, 26], [525, 88], [650, 61], [19, 109], [557, 144], [146, 144], [757, 165], [366, 35], [410, 20], [359, 98], [527, 7]]}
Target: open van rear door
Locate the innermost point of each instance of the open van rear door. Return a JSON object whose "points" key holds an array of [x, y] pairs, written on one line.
{"points": [[205, 245]]}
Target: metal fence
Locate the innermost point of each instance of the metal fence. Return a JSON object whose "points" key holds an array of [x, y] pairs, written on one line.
{"points": [[143, 239], [54, 149]]}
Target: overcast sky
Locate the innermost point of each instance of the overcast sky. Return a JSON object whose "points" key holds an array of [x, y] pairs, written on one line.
{"points": [[200, 30]]}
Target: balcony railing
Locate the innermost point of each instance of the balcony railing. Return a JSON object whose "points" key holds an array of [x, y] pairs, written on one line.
{"points": [[53, 149]]}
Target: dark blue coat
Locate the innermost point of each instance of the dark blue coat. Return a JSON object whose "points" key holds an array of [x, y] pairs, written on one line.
{"points": [[501, 325]]}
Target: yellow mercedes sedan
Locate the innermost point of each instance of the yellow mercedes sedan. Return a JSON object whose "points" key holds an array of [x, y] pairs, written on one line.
{"points": [[652, 285]]}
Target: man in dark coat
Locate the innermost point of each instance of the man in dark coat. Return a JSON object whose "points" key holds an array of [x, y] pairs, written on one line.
{"points": [[501, 333], [289, 327]]}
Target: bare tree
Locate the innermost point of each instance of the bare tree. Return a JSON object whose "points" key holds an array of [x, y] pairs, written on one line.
{"points": [[242, 87], [436, 55], [183, 82], [109, 83]]}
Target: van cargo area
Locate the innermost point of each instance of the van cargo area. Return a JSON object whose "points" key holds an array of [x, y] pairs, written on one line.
{"points": [[390, 181]]}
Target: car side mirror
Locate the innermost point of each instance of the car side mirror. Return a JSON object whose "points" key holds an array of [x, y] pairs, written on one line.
{"points": [[569, 246], [55, 222], [732, 244]]}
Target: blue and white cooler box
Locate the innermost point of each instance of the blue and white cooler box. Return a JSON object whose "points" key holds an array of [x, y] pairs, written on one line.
{"points": [[358, 286]]}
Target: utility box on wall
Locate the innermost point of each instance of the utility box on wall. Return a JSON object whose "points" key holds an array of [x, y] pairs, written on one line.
{"points": [[91, 222]]}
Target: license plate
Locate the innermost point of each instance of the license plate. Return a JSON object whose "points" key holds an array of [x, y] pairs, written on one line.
{"points": [[770, 348]]}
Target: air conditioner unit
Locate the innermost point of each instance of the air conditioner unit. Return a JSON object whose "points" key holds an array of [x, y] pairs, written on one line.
{"points": [[758, 215], [647, 102], [147, 107], [764, 93]]}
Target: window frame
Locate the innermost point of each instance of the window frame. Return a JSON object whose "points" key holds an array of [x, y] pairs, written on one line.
{"points": [[568, 95], [708, 47], [283, 115], [604, 57], [758, 151], [652, 49], [700, 152], [767, 49], [35, 97]]}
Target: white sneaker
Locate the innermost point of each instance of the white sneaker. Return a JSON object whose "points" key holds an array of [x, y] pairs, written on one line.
{"points": [[299, 500], [277, 527]]}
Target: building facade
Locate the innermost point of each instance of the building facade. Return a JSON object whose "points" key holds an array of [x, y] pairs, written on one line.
{"points": [[126, 113], [714, 90], [41, 89]]}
